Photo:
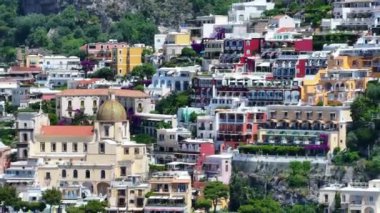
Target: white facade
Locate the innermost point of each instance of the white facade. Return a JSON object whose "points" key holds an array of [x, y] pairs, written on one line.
{"points": [[6, 88], [205, 127], [58, 62], [89, 101], [159, 41], [167, 80], [243, 12], [282, 21], [356, 197], [354, 15]]}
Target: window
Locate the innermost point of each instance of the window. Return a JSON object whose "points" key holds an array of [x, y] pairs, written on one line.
{"points": [[64, 173], [25, 137], [53, 147], [75, 174], [102, 174], [332, 116], [69, 103], [88, 175], [85, 147], [285, 114], [42, 147], [64, 147], [126, 151], [82, 104], [171, 137], [132, 192], [75, 147], [123, 171], [326, 198], [370, 199], [101, 148], [25, 125], [227, 168], [131, 201], [47, 176], [137, 151], [319, 115], [106, 131]]}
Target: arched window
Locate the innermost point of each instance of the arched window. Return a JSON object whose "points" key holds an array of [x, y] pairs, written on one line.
{"points": [[88, 174], [102, 174], [63, 173], [75, 174]]}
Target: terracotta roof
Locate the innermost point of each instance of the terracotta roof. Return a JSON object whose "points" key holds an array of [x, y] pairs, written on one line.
{"points": [[278, 17], [67, 131], [89, 81], [286, 29], [48, 97], [103, 92], [25, 69]]}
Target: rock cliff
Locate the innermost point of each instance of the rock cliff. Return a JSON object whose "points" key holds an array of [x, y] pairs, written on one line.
{"points": [[163, 12]]}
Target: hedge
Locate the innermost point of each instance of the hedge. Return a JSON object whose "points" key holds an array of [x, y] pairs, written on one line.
{"points": [[272, 150]]}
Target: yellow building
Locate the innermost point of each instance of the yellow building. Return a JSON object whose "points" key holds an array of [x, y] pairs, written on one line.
{"points": [[341, 82], [126, 58], [174, 44], [89, 156]]}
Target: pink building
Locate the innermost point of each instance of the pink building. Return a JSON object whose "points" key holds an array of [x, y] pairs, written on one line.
{"points": [[238, 127], [102, 50], [5, 151], [194, 151], [218, 167]]}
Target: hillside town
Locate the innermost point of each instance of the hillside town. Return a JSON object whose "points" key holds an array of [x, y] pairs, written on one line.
{"points": [[257, 110]]}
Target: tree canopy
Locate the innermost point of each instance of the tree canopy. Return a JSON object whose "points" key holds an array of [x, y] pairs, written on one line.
{"points": [[214, 191], [171, 103], [105, 73], [52, 197], [144, 70]]}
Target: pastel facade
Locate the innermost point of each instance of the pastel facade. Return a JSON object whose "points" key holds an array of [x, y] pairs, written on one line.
{"points": [[239, 126], [218, 167], [89, 156], [320, 128], [126, 58], [172, 193], [356, 197], [89, 101]]}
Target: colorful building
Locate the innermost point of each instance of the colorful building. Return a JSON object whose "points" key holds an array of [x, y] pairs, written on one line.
{"points": [[317, 128], [125, 59]]}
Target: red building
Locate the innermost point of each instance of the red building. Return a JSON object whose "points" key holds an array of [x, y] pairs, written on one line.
{"points": [[194, 151], [238, 126]]}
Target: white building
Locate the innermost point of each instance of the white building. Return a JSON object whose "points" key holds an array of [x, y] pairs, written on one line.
{"points": [[356, 197], [283, 21], [205, 127], [245, 11], [159, 41], [58, 62], [167, 80], [89, 100], [56, 78], [7, 85], [354, 15]]}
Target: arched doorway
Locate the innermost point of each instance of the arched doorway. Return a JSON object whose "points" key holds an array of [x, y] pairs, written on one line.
{"points": [[102, 188]]}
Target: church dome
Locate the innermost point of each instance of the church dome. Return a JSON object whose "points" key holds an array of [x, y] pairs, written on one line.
{"points": [[111, 110]]}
